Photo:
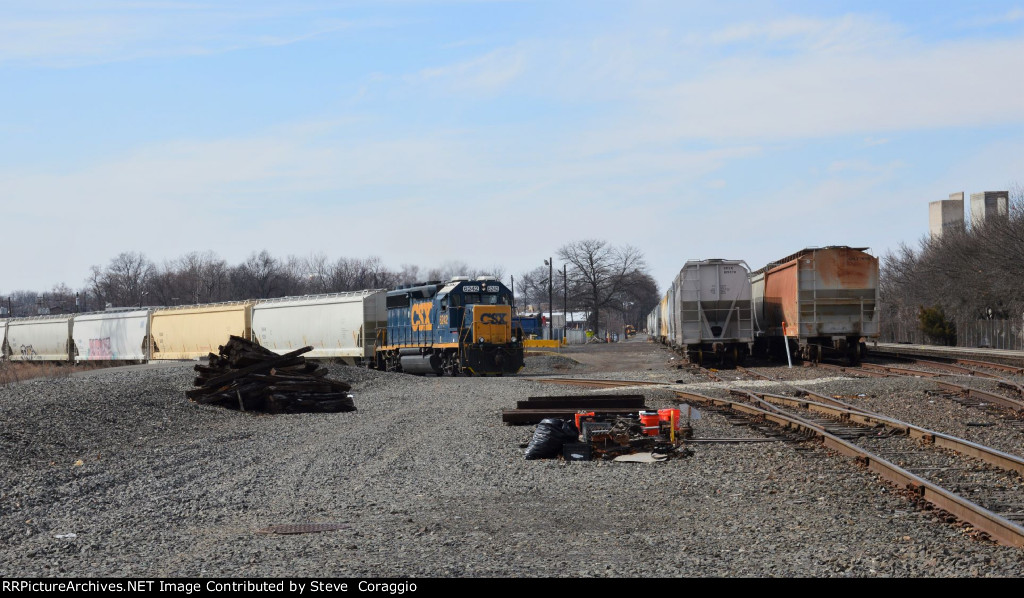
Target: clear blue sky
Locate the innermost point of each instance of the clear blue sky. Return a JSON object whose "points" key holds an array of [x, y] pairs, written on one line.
{"points": [[493, 132]]}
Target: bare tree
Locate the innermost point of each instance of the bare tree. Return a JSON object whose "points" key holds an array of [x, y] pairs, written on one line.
{"points": [[602, 274], [125, 280], [532, 286], [261, 276], [964, 275]]}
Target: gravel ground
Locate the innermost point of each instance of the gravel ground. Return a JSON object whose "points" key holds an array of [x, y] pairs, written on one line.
{"points": [[431, 483]]}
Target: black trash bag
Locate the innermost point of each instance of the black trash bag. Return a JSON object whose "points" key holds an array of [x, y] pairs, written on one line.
{"points": [[551, 434]]}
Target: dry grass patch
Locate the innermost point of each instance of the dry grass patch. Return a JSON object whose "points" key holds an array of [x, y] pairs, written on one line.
{"points": [[12, 372]]}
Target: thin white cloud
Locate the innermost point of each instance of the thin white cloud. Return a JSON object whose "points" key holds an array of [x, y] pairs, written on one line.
{"points": [[1012, 15], [488, 73], [247, 193], [863, 166], [846, 33], [115, 32]]}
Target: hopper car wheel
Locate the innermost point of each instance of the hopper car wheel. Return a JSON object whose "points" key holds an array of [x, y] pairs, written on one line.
{"points": [[853, 354]]}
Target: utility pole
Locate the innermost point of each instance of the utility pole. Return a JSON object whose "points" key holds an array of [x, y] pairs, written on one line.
{"points": [[565, 301], [550, 263]]}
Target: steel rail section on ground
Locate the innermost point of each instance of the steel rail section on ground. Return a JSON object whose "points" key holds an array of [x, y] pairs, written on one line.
{"points": [[1000, 529]]}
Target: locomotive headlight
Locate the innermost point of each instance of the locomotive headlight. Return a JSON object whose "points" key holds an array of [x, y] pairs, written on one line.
{"points": [[481, 340]]}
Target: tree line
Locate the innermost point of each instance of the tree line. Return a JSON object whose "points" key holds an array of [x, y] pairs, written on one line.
{"points": [[968, 274], [601, 280], [132, 280]]}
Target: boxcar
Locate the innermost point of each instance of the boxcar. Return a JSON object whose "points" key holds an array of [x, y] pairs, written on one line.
{"points": [[194, 331], [40, 338], [338, 325], [112, 336], [819, 300]]}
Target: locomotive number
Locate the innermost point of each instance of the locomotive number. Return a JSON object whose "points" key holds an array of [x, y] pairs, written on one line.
{"points": [[471, 289], [442, 320]]}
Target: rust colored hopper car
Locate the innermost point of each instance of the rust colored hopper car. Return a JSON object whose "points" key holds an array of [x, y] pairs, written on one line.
{"points": [[822, 301]]}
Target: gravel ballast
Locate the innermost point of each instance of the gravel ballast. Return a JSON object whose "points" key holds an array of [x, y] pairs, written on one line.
{"points": [[430, 483]]}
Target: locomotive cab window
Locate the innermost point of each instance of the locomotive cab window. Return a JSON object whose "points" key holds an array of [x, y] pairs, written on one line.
{"points": [[485, 299]]}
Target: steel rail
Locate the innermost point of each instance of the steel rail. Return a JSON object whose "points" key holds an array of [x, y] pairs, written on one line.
{"points": [[959, 365], [898, 371], [1004, 461], [854, 370], [977, 393], [991, 365], [961, 357], [1001, 530], [989, 455]]}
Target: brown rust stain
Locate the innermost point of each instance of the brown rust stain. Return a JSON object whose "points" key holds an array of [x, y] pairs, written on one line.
{"points": [[845, 269]]}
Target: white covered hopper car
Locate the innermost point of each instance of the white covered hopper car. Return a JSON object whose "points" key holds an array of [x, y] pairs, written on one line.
{"points": [[711, 313], [337, 325], [111, 336]]}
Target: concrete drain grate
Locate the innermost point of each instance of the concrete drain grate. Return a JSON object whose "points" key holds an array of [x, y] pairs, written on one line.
{"points": [[302, 528]]}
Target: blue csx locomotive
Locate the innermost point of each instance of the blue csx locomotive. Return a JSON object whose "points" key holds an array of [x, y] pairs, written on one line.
{"points": [[459, 327]]}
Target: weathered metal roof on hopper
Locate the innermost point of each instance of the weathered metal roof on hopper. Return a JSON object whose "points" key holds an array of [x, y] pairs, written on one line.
{"points": [[801, 253]]}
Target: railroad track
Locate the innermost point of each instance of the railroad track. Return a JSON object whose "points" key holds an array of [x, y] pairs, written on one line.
{"points": [[938, 468], [966, 395], [929, 466], [957, 358]]}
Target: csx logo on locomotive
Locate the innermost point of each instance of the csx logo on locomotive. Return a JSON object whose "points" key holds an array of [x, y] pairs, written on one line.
{"points": [[421, 317], [489, 318]]}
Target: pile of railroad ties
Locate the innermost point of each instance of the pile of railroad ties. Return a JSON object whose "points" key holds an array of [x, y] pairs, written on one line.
{"points": [[585, 428], [248, 377]]}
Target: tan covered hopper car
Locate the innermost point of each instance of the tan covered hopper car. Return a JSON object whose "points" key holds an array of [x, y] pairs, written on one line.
{"points": [[195, 331]]}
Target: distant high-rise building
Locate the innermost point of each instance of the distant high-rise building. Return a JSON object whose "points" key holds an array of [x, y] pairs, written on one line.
{"points": [[946, 215], [988, 204]]}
